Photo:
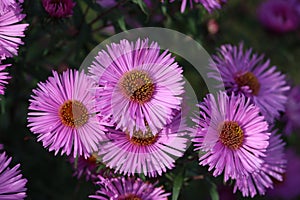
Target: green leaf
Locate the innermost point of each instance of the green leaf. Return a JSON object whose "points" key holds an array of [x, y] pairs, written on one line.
{"points": [[122, 24], [178, 181], [142, 5]]}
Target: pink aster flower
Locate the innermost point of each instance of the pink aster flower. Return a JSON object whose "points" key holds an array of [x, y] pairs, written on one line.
{"points": [[247, 73], [148, 153], [130, 188], [3, 78], [62, 114], [12, 184], [10, 31], [231, 134], [272, 169], [287, 188], [209, 5], [139, 85], [59, 8], [292, 113], [279, 15], [89, 167]]}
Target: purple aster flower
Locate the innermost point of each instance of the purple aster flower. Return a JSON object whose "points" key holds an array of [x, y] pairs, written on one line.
{"points": [[148, 153], [209, 5], [3, 78], [231, 134], [130, 188], [89, 167], [272, 169], [279, 15], [10, 32], [59, 8], [106, 3], [62, 114], [5, 5], [247, 73], [12, 184], [139, 86], [291, 179], [292, 113]]}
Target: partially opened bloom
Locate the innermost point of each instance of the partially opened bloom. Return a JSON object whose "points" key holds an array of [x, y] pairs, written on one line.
{"points": [[3, 78], [148, 153], [12, 184], [271, 170], [292, 113], [279, 15], [231, 134], [59, 8], [209, 5], [247, 73], [140, 86], [128, 188], [10, 31], [62, 114]]}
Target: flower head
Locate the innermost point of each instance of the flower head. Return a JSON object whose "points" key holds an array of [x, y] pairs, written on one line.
{"points": [[279, 15], [12, 184], [148, 153], [292, 113], [59, 8], [62, 114], [10, 32], [272, 169], [209, 5], [246, 73], [231, 134], [130, 188], [3, 78], [139, 86]]}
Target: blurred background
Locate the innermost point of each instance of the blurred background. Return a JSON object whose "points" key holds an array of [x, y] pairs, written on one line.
{"points": [[58, 44]]}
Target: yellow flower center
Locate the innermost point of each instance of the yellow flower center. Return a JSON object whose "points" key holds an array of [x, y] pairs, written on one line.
{"points": [[73, 114], [231, 135], [143, 138], [130, 197], [250, 80], [137, 86]]}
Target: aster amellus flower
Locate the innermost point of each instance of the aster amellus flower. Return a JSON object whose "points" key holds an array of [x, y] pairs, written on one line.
{"points": [[4, 77], [148, 153], [247, 73], [10, 31], [12, 184], [279, 15], [59, 8], [271, 170], [231, 134], [128, 188], [140, 86], [62, 114]]}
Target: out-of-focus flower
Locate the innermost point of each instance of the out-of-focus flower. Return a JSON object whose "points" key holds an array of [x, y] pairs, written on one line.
{"points": [[271, 170], [10, 31], [128, 189], [279, 15], [212, 27], [292, 113], [59, 8], [209, 5], [62, 114], [3, 78], [106, 3], [286, 189], [148, 153], [231, 135], [140, 86], [12, 184], [246, 73]]}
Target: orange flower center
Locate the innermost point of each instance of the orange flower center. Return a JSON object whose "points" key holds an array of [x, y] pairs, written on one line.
{"points": [[250, 80], [73, 114], [130, 197], [143, 139], [137, 86], [231, 135]]}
